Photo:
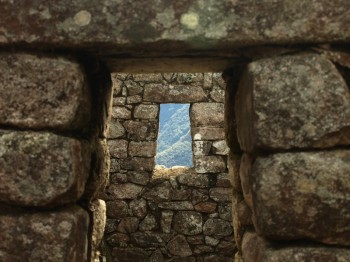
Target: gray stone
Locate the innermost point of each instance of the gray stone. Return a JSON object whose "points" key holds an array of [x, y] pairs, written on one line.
{"points": [[138, 177], [166, 220], [116, 178], [201, 148], [141, 131], [159, 193], [117, 209], [59, 235], [121, 112], [138, 163], [128, 225], [118, 148], [119, 101], [218, 94], [303, 195], [199, 196], [210, 164], [188, 222], [211, 241], [224, 209], [145, 149], [138, 208], [133, 87], [174, 93], [220, 194], [42, 169], [217, 227], [115, 129], [114, 165], [178, 246], [42, 92], [176, 205], [207, 114], [134, 99], [207, 133], [220, 147], [195, 180], [298, 101], [146, 111], [148, 223], [257, 249], [125, 191]]}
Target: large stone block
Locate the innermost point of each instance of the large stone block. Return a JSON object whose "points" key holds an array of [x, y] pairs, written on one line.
{"points": [[208, 133], [302, 195], [174, 93], [207, 114], [210, 164], [257, 249], [44, 236], [298, 101], [42, 169], [145, 149], [39, 92]]}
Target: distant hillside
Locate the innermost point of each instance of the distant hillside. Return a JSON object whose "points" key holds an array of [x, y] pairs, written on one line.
{"points": [[174, 139]]}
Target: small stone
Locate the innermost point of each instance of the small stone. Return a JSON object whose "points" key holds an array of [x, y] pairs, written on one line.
{"points": [[117, 209], [210, 164], [188, 222], [207, 114], [201, 148], [199, 196], [159, 193], [116, 129], [202, 249], [178, 246], [217, 227], [207, 133], [222, 180], [145, 149], [114, 165], [226, 248], [120, 112], [194, 180], [119, 101], [205, 207], [134, 99], [118, 240], [138, 163], [217, 94], [196, 240], [148, 223], [138, 208], [146, 111], [211, 241], [221, 194], [220, 147], [177, 205], [166, 220], [141, 131], [118, 148], [156, 256], [116, 178], [138, 177], [125, 191], [225, 210], [128, 225]]}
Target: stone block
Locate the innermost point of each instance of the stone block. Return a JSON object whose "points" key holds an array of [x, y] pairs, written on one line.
{"points": [[138, 177], [117, 209], [166, 220], [194, 180], [257, 249], [207, 133], [98, 209], [209, 164], [160, 192], [302, 195], [118, 148], [125, 191], [170, 93], [207, 114], [116, 129], [176, 205], [59, 235], [206, 207], [188, 222], [121, 112], [201, 148], [145, 149], [220, 147], [148, 223], [298, 101], [146, 111], [42, 169], [141, 131], [220, 194], [42, 92], [134, 99], [138, 163], [138, 207], [217, 227]]}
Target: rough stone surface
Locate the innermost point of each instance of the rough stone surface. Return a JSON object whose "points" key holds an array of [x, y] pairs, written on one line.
{"points": [[40, 92], [303, 195], [207, 114], [210, 164], [129, 254], [145, 149], [42, 169], [217, 227], [174, 93], [146, 111], [163, 28], [188, 222], [125, 191], [141, 131], [98, 209], [178, 246], [257, 249], [33, 236], [208, 133], [116, 129], [118, 148], [298, 101]]}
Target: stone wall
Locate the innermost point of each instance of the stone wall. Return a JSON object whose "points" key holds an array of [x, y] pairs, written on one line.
{"points": [[290, 173], [168, 214], [53, 157]]}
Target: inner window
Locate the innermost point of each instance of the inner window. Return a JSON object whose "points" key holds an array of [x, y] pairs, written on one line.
{"points": [[174, 145]]}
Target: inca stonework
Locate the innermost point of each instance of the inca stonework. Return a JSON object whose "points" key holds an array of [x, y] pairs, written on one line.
{"points": [[168, 214], [286, 123]]}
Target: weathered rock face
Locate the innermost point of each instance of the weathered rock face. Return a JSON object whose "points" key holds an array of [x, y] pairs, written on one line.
{"points": [[298, 101], [44, 236], [42, 169], [303, 195], [177, 213], [39, 92], [256, 249], [207, 114]]}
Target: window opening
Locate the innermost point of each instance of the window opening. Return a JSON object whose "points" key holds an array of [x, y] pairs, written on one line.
{"points": [[174, 145]]}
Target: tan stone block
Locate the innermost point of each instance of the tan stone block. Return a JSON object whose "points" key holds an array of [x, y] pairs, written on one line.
{"points": [[144, 149], [209, 164], [59, 235], [42, 169], [207, 114]]}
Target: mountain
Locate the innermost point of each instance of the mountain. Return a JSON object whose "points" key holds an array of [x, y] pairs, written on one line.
{"points": [[174, 147]]}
